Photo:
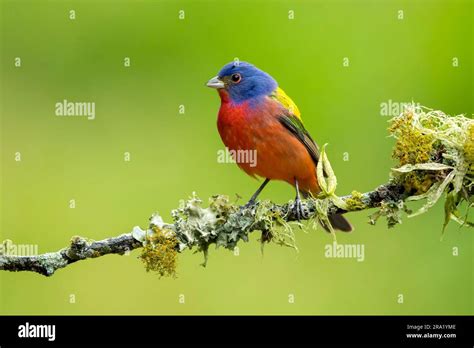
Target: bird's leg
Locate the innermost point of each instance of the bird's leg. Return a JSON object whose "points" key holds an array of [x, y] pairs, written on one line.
{"points": [[255, 195], [297, 207]]}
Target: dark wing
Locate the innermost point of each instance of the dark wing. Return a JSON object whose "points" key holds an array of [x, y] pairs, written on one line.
{"points": [[296, 127]]}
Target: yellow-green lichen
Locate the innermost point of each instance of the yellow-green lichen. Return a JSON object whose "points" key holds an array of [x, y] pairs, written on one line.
{"points": [[412, 146], [418, 141], [469, 145], [435, 155], [159, 253], [417, 183], [354, 202]]}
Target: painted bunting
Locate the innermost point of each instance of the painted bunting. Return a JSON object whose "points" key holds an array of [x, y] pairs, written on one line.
{"points": [[257, 116]]}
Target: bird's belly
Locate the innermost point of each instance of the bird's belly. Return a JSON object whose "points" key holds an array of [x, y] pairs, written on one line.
{"points": [[268, 150]]}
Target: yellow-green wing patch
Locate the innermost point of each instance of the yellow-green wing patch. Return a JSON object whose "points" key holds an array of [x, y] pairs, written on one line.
{"points": [[286, 101]]}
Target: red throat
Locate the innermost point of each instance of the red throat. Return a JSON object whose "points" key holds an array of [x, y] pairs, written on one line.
{"points": [[224, 95]]}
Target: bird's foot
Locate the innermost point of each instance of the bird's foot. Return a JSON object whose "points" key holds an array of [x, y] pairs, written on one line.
{"points": [[298, 210], [250, 204]]}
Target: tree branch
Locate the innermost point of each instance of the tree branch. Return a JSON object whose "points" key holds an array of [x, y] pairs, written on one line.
{"points": [[79, 249], [82, 249]]}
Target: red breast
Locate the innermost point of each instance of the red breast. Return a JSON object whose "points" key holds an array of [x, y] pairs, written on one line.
{"points": [[254, 126]]}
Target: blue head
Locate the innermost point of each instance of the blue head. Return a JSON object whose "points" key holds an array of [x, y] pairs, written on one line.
{"points": [[243, 81]]}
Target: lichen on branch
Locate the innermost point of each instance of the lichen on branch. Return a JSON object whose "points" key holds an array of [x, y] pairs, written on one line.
{"points": [[435, 155]]}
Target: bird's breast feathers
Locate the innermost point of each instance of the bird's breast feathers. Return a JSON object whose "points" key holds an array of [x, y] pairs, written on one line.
{"points": [[240, 124], [274, 105]]}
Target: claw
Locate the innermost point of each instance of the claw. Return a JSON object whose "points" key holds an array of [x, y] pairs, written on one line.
{"points": [[297, 207], [253, 200], [298, 210], [249, 204]]}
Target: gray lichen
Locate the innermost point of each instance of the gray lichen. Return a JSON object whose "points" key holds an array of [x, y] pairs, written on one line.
{"points": [[224, 224]]}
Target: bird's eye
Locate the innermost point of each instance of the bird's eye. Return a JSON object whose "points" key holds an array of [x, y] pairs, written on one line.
{"points": [[236, 78]]}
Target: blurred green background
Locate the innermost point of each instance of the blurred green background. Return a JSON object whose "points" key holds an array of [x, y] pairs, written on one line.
{"points": [[173, 154]]}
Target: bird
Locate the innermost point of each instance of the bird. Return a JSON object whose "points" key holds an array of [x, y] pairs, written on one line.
{"points": [[256, 115]]}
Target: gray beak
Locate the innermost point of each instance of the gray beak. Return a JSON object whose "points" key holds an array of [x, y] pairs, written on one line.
{"points": [[215, 83]]}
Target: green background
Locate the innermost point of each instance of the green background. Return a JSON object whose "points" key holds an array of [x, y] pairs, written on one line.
{"points": [[173, 155]]}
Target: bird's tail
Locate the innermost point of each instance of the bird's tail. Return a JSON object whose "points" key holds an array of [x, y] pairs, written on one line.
{"points": [[338, 222]]}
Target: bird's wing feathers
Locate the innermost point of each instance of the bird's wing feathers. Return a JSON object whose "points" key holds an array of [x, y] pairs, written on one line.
{"points": [[280, 96], [295, 126], [291, 120]]}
